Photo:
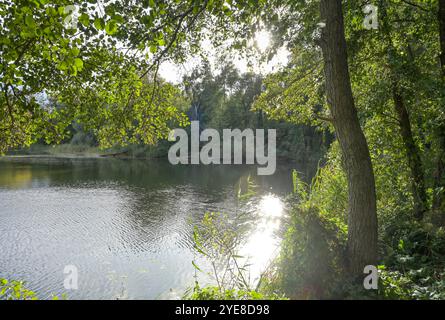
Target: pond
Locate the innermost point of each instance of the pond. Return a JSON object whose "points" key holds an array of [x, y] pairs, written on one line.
{"points": [[127, 225]]}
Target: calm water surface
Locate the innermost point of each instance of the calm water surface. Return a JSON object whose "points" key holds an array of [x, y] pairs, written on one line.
{"points": [[127, 225]]}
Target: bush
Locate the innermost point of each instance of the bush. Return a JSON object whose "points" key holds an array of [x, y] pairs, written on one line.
{"points": [[414, 261], [312, 254], [311, 257], [215, 293], [15, 290]]}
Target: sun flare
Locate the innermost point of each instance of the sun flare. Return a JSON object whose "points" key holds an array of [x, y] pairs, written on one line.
{"points": [[262, 40]]}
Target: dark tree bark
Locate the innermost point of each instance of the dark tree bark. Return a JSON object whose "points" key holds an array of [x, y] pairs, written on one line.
{"points": [[418, 188], [362, 216], [439, 174], [413, 155], [441, 16]]}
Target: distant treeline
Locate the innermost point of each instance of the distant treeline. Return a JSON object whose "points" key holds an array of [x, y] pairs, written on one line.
{"points": [[219, 101]]}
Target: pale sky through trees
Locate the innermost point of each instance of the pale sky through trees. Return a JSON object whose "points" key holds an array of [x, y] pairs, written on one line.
{"points": [[173, 72]]}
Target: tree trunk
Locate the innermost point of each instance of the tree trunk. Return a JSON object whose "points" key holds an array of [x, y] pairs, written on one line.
{"points": [[362, 216], [439, 174], [413, 155], [441, 16], [418, 188]]}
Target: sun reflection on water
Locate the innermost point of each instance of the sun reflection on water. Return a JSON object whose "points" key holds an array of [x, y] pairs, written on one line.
{"points": [[262, 244]]}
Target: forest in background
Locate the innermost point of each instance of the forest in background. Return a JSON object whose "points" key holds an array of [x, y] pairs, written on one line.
{"points": [[218, 101], [378, 199]]}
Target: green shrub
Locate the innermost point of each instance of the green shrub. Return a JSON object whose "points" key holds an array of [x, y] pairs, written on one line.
{"points": [[312, 253], [215, 293], [311, 257], [414, 261], [15, 290]]}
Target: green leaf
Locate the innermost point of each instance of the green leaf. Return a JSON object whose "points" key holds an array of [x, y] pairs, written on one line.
{"points": [[197, 268], [75, 51], [84, 19], [99, 23], [30, 21], [62, 66], [111, 27], [118, 18], [78, 63]]}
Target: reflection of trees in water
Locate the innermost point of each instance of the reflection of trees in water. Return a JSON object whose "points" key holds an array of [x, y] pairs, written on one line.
{"points": [[160, 199], [15, 178], [150, 173]]}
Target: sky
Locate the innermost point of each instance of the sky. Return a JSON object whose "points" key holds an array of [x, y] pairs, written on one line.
{"points": [[173, 72]]}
